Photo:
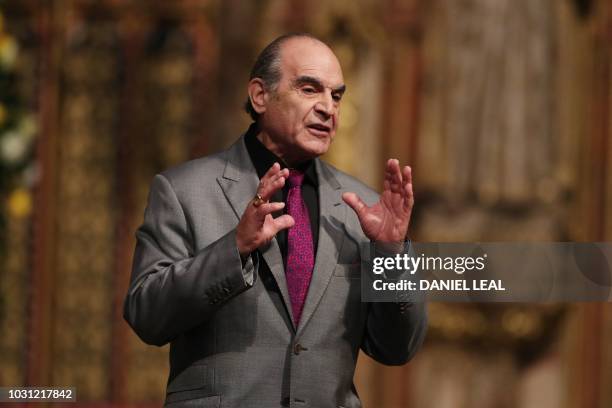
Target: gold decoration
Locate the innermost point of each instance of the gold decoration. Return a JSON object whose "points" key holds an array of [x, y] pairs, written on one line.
{"points": [[20, 203], [511, 327], [8, 51], [85, 192]]}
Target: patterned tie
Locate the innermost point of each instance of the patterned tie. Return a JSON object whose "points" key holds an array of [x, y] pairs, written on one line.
{"points": [[300, 252]]}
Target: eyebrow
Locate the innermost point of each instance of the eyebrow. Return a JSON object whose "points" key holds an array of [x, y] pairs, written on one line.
{"points": [[305, 79]]}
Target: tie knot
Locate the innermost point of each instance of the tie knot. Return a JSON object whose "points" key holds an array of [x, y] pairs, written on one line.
{"points": [[296, 178]]}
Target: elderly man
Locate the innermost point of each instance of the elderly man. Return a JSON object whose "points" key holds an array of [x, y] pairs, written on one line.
{"points": [[248, 261]]}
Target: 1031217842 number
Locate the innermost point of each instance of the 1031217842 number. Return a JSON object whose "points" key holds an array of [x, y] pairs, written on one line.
{"points": [[24, 394]]}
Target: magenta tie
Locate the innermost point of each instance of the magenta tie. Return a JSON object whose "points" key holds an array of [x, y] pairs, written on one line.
{"points": [[300, 251]]}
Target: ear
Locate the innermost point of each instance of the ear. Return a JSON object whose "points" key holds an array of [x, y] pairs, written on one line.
{"points": [[257, 95]]}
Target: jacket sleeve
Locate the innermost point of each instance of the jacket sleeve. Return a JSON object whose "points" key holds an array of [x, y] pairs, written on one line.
{"points": [[172, 289], [395, 330]]}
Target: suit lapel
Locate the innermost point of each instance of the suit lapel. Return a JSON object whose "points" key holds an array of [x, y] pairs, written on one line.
{"points": [[331, 236], [239, 184]]}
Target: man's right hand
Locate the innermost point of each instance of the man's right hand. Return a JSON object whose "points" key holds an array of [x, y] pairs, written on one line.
{"points": [[257, 226]]}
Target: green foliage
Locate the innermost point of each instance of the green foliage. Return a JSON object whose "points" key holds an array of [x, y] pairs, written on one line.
{"points": [[17, 133]]}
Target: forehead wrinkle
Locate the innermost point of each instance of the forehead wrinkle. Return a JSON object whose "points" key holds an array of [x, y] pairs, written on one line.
{"points": [[304, 79], [295, 62]]}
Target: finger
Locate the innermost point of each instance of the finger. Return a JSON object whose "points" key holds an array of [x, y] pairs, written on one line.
{"points": [[407, 187], [355, 202], [409, 197], [393, 176], [269, 208], [271, 171], [397, 173], [270, 175], [406, 180], [283, 222], [269, 186], [407, 175], [393, 167], [281, 173]]}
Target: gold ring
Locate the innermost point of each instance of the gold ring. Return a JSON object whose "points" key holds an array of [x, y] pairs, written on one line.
{"points": [[258, 200]]}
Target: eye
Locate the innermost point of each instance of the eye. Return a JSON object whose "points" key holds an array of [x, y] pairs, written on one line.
{"points": [[309, 90], [337, 97]]}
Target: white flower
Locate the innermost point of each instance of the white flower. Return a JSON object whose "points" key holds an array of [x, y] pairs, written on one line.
{"points": [[13, 147]]}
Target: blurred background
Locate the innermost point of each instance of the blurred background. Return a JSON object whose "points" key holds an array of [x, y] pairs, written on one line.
{"points": [[502, 107]]}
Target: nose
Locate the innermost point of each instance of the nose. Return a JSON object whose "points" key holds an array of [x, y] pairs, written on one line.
{"points": [[325, 106]]}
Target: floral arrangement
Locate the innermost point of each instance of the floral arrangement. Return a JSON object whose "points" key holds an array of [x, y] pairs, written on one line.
{"points": [[17, 134]]}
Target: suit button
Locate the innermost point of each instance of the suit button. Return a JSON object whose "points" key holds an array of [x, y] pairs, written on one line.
{"points": [[298, 348]]}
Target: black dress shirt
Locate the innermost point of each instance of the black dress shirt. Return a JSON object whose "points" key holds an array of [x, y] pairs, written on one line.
{"points": [[263, 159]]}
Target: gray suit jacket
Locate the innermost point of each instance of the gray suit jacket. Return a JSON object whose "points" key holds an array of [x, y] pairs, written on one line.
{"points": [[231, 333]]}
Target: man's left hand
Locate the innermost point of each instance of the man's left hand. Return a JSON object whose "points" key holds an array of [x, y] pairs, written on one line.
{"points": [[388, 219]]}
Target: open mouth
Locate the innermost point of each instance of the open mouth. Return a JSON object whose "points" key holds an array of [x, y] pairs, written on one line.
{"points": [[319, 129]]}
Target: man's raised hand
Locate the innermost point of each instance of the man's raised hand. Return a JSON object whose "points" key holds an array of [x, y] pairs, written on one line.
{"points": [[388, 219], [257, 226]]}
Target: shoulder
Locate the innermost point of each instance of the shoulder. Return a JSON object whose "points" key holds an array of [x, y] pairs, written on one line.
{"points": [[197, 169], [194, 175]]}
